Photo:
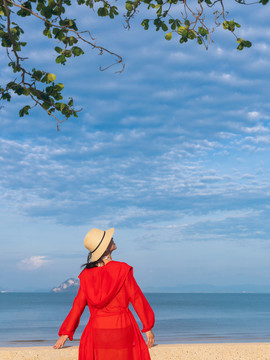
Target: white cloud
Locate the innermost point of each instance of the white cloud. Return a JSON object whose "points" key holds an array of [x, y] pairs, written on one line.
{"points": [[229, 78], [258, 32], [226, 135], [33, 263], [253, 115], [131, 120], [262, 47], [260, 139], [42, 55], [220, 51], [180, 56], [255, 129], [256, 115], [167, 94]]}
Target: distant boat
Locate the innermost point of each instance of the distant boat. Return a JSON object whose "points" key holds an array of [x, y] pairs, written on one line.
{"points": [[3, 291]]}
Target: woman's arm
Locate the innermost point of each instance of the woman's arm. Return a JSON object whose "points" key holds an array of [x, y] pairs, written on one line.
{"points": [[141, 305], [71, 322]]}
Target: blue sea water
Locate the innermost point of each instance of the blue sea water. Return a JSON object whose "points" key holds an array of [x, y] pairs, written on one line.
{"points": [[28, 319]]}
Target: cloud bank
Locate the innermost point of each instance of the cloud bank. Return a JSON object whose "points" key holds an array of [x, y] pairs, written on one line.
{"points": [[33, 263]]}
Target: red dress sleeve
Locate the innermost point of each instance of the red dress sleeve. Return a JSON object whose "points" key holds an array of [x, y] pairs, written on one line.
{"points": [[71, 322], [139, 303]]}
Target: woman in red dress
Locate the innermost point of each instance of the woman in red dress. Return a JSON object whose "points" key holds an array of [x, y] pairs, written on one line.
{"points": [[107, 287]]}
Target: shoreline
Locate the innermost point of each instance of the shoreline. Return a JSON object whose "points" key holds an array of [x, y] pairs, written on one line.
{"points": [[23, 344], [211, 351]]}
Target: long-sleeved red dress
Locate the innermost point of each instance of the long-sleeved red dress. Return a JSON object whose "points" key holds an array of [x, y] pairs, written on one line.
{"points": [[112, 332]]}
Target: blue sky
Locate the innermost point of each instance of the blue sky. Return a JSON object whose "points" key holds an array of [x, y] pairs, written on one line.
{"points": [[174, 153]]}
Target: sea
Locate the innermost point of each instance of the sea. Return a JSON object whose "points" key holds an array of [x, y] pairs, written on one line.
{"points": [[33, 319]]}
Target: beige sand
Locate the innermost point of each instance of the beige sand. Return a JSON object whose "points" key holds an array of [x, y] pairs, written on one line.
{"points": [[247, 351]]}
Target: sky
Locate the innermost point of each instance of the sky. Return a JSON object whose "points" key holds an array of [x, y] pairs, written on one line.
{"points": [[174, 153]]}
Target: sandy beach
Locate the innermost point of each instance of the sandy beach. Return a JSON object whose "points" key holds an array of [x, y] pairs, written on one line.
{"points": [[246, 351]]}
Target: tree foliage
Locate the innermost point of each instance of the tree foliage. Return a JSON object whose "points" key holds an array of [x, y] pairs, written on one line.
{"points": [[190, 24]]}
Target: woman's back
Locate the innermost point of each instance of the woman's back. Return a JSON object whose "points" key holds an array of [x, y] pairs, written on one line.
{"points": [[112, 332], [102, 284]]}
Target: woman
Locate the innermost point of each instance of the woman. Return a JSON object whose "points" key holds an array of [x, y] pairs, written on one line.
{"points": [[107, 287]]}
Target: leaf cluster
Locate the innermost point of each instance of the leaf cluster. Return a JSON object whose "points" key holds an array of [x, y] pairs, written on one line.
{"points": [[191, 25], [31, 83], [40, 86]]}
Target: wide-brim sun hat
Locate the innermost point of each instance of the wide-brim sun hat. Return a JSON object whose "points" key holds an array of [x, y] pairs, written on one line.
{"points": [[97, 241]]}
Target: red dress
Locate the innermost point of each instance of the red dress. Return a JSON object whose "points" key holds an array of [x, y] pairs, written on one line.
{"points": [[112, 332]]}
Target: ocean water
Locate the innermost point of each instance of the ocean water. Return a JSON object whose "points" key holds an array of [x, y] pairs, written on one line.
{"points": [[28, 319]]}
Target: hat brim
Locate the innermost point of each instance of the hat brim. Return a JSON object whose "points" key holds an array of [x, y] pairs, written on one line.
{"points": [[103, 246]]}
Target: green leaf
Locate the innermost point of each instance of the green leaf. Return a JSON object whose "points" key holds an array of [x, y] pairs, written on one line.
{"points": [[47, 32], [61, 59], [76, 51], [6, 96], [180, 29], [230, 25], [225, 25], [59, 34], [202, 31], [72, 40], [240, 47], [102, 11], [243, 43], [37, 74], [58, 49], [24, 111], [51, 77], [191, 34], [129, 6], [58, 96], [46, 105], [59, 86], [185, 33], [62, 106], [19, 90], [168, 36], [164, 27], [145, 24]]}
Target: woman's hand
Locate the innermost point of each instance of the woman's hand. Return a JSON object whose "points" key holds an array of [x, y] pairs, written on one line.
{"points": [[150, 338], [60, 342]]}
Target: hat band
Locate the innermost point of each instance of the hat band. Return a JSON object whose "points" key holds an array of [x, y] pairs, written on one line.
{"points": [[99, 242]]}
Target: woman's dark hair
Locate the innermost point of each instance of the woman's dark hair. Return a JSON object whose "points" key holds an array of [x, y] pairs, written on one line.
{"points": [[91, 264]]}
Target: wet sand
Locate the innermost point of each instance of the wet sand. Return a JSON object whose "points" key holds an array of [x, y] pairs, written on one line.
{"points": [[244, 351]]}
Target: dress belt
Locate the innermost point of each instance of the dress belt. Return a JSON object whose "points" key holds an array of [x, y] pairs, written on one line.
{"points": [[111, 313]]}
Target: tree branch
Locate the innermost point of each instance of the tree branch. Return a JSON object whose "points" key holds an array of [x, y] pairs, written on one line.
{"points": [[78, 33]]}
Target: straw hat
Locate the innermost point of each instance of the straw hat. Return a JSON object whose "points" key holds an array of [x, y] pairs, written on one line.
{"points": [[97, 241]]}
